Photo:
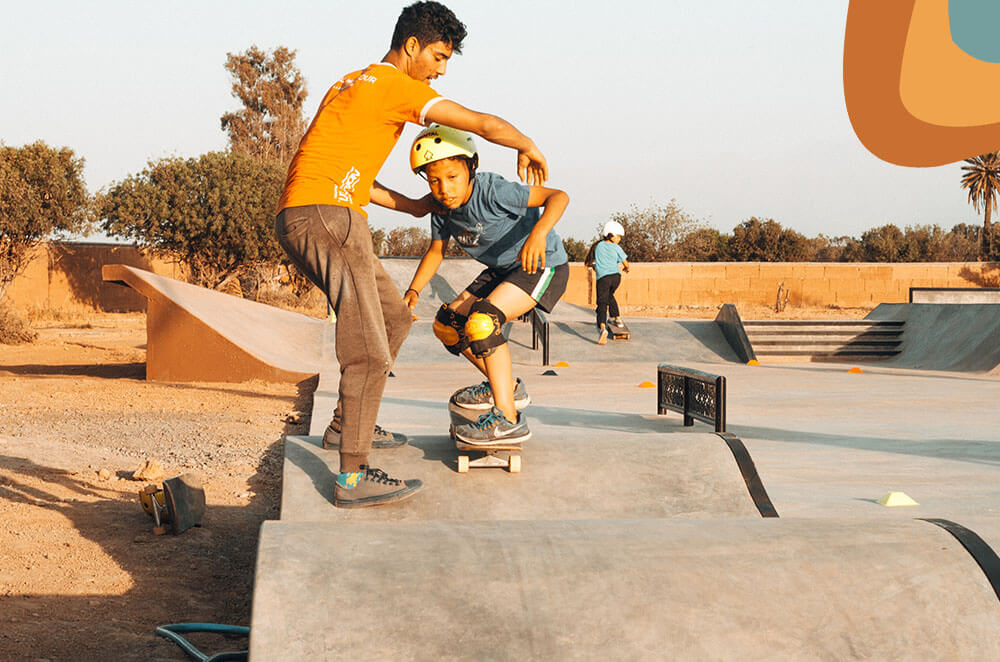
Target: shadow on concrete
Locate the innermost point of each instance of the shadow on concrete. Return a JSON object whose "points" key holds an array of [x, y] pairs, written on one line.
{"points": [[203, 575], [960, 450]]}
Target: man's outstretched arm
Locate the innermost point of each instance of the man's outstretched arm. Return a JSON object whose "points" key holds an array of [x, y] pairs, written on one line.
{"points": [[531, 165]]}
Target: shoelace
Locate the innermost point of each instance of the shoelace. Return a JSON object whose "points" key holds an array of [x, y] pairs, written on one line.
{"points": [[487, 421], [379, 476], [482, 388], [379, 430]]}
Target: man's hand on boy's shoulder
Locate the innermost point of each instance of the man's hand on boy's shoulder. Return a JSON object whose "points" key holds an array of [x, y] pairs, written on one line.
{"points": [[427, 205]]}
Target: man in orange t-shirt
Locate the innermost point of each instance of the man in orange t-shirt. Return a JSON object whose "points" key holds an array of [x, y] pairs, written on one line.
{"points": [[323, 228]]}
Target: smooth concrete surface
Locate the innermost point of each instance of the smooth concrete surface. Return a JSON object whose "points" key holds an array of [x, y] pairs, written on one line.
{"points": [[197, 334], [566, 473], [540, 565], [955, 295], [650, 589], [961, 337]]}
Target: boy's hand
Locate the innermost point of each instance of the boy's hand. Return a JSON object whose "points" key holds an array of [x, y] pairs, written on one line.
{"points": [[532, 167], [532, 254], [410, 299]]}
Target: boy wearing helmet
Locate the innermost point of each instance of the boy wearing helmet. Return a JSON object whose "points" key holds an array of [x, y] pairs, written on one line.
{"points": [[604, 257], [323, 228], [498, 223]]}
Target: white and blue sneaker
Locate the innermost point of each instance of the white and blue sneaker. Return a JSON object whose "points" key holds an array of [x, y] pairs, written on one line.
{"points": [[480, 396], [493, 429]]}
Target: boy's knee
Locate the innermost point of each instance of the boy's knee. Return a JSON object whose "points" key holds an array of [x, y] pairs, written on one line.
{"points": [[449, 328], [485, 328]]}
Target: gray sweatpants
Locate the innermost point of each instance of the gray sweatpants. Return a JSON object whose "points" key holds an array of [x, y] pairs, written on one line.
{"points": [[332, 246]]}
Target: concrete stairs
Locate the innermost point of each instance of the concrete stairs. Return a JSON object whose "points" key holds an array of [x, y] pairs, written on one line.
{"points": [[825, 340]]}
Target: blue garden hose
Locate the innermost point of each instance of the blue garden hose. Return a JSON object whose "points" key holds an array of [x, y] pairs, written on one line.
{"points": [[172, 632]]}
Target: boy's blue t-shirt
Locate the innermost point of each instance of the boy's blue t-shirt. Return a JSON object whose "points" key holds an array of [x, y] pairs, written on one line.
{"points": [[493, 225], [607, 256]]}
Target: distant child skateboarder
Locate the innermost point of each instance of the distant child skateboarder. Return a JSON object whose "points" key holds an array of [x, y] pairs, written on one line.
{"points": [[498, 223], [323, 228], [604, 257]]}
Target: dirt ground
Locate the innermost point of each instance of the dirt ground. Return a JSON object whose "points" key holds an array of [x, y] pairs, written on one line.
{"points": [[82, 577]]}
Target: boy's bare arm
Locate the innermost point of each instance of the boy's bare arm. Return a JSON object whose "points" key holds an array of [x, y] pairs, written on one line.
{"points": [[531, 165], [425, 271], [386, 197], [532, 253]]}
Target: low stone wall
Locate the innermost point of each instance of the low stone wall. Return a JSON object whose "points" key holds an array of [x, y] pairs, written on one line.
{"points": [[847, 285], [69, 274]]}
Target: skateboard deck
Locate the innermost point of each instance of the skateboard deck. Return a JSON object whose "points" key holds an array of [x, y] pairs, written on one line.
{"points": [[472, 456], [619, 331]]}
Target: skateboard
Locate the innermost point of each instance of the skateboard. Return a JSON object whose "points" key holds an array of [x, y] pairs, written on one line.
{"points": [[180, 503], [619, 331], [473, 456]]}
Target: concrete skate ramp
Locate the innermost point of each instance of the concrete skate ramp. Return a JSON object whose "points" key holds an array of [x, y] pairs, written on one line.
{"points": [[197, 334], [620, 589], [957, 337], [585, 474]]}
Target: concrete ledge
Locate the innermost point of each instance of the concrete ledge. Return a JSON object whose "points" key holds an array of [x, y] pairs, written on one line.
{"points": [[585, 475], [197, 334], [620, 589]]}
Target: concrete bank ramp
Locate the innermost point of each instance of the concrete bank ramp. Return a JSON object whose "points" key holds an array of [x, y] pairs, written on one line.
{"points": [[585, 475], [197, 334], [649, 589], [962, 337]]}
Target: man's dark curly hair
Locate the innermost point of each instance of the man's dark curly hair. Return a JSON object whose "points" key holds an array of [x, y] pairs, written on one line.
{"points": [[429, 22]]}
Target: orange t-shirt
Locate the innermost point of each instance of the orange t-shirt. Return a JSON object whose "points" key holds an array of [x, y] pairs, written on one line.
{"points": [[358, 124]]}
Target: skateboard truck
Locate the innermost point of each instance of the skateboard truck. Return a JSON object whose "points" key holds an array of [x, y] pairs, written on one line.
{"points": [[177, 506]]}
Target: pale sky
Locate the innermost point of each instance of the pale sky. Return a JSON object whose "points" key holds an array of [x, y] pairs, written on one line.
{"points": [[734, 108]]}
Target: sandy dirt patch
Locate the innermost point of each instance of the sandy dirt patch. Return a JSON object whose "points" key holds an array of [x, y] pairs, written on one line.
{"points": [[82, 577]]}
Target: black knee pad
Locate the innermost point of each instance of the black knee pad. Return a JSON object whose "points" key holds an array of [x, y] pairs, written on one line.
{"points": [[449, 328], [485, 328]]}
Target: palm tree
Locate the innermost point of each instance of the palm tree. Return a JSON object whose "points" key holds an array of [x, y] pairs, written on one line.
{"points": [[982, 181]]}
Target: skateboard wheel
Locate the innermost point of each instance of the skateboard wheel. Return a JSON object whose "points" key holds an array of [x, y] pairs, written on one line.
{"points": [[515, 464], [463, 464]]}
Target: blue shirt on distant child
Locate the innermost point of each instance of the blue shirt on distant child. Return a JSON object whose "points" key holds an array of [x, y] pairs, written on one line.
{"points": [[493, 225], [607, 256]]}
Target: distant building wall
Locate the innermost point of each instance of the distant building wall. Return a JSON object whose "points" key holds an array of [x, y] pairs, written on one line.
{"points": [[842, 284], [69, 274]]}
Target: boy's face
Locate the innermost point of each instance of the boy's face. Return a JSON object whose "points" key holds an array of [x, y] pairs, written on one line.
{"points": [[428, 62], [449, 181]]}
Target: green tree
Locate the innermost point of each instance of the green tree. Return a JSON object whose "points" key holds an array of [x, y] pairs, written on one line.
{"points": [[272, 91], [755, 240], [651, 233], [41, 192], [882, 244], [702, 245], [214, 212], [982, 182], [576, 249]]}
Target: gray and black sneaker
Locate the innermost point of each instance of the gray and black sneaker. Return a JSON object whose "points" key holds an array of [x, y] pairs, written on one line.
{"points": [[480, 396], [381, 438], [371, 487], [493, 429]]}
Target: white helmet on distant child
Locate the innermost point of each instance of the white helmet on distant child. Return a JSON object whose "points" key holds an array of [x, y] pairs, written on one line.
{"points": [[613, 227]]}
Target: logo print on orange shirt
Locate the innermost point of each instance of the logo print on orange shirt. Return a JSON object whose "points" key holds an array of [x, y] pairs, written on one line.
{"points": [[344, 192]]}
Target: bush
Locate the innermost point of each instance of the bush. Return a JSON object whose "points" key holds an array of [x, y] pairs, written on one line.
{"points": [[41, 192], [214, 212], [14, 330]]}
